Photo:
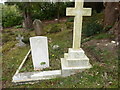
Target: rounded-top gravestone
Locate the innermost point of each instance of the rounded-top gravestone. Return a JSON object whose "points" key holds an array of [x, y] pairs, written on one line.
{"points": [[38, 27]]}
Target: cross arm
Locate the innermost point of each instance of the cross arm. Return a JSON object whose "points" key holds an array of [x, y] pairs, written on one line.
{"points": [[87, 11], [70, 11]]}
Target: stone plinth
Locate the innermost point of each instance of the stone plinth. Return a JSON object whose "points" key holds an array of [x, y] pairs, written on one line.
{"points": [[74, 61]]}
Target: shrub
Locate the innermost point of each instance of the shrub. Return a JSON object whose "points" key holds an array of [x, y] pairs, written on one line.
{"points": [[26, 40], [107, 28], [26, 37], [11, 16], [54, 29], [104, 36], [18, 26], [69, 25], [71, 19], [92, 27]]}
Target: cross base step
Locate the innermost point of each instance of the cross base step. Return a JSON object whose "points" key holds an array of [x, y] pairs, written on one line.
{"points": [[67, 71]]}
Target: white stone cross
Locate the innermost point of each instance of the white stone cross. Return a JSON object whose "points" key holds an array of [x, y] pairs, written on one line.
{"points": [[78, 12]]}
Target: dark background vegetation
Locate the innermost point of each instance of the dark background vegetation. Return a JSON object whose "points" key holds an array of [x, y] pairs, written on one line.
{"points": [[40, 10]]}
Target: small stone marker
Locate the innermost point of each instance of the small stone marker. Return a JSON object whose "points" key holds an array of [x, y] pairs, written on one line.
{"points": [[55, 47], [21, 43], [39, 49], [38, 26]]}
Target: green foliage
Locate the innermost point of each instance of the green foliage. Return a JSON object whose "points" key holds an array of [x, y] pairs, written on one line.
{"points": [[11, 16], [37, 10], [7, 36], [18, 26], [26, 36], [44, 10], [69, 25], [92, 27], [32, 29], [26, 40], [107, 28], [104, 36], [71, 19], [118, 53], [8, 46], [54, 29], [42, 63]]}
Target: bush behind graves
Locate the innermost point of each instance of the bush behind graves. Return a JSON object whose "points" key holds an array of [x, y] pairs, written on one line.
{"points": [[71, 19], [26, 36], [47, 10], [69, 25], [54, 29], [11, 16], [18, 26], [92, 27]]}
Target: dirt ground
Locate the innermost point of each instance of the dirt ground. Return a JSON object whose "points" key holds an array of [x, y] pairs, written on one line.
{"points": [[104, 44]]}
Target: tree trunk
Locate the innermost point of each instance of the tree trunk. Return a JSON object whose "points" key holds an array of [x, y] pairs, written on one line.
{"points": [[27, 17], [58, 10], [111, 13], [112, 18], [119, 25]]}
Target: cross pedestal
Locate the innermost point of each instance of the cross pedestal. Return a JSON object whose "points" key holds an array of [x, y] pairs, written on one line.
{"points": [[76, 60]]}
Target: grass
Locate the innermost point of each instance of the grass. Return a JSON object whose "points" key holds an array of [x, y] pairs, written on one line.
{"points": [[8, 46], [103, 74], [10, 62], [104, 36], [92, 78]]}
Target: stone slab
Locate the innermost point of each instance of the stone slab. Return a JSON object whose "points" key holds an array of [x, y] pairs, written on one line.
{"points": [[39, 49], [33, 76]]}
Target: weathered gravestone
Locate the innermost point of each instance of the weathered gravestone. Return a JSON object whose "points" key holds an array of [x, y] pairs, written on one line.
{"points": [[39, 49], [38, 26], [21, 43], [76, 60]]}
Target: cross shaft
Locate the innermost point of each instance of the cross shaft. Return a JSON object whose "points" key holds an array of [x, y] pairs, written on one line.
{"points": [[78, 12]]}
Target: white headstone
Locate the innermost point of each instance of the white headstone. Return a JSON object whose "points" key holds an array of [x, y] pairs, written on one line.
{"points": [[39, 49]]}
